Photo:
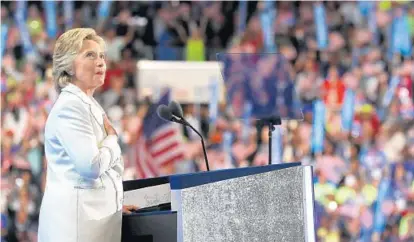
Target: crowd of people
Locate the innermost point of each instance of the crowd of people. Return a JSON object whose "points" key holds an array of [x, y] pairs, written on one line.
{"points": [[363, 179]]}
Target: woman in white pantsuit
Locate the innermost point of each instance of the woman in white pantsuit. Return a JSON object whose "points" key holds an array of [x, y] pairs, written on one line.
{"points": [[83, 195]]}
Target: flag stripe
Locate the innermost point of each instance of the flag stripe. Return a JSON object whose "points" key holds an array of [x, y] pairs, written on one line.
{"points": [[165, 149], [173, 159], [145, 164], [163, 136], [161, 130], [160, 159], [160, 145], [151, 168]]}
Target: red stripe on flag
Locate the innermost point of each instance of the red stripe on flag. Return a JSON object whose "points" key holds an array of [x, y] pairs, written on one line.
{"points": [[165, 149], [175, 158], [140, 171], [163, 136], [152, 169], [149, 161]]}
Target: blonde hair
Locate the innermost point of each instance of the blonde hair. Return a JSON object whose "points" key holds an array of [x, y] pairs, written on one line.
{"points": [[66, 49]]}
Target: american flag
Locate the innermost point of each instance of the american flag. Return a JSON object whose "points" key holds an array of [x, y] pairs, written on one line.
{"points": [[159, 145]]}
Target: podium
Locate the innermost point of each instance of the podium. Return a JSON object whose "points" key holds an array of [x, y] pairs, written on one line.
{"points": [[265, 203]]}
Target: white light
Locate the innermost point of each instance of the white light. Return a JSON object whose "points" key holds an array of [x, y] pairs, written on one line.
{"points": [[19, 182], [401, 204], [332, 206]]}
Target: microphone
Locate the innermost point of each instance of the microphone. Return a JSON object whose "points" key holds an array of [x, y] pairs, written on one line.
{"points": [[165, 113], [174, 113], [175, 109]]}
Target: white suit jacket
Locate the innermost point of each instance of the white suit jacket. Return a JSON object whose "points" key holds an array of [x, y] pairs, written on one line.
{"points": [[84, 194]]}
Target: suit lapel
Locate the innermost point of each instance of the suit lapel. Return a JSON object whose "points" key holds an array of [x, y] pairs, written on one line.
{"points": [[94, 107]]}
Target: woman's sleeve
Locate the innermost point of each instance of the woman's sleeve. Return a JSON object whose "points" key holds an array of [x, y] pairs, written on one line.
{"points": [[75, 133]]}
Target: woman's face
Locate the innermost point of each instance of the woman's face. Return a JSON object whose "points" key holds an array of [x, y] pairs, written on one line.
{"points": [[89, 65]]}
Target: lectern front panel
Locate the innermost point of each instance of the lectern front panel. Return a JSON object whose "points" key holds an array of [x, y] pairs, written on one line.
{"points": [[270, 206]]}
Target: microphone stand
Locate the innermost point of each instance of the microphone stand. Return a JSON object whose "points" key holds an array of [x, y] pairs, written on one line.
{"points": [[271, 129], [271, 122], [183, 121]]}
